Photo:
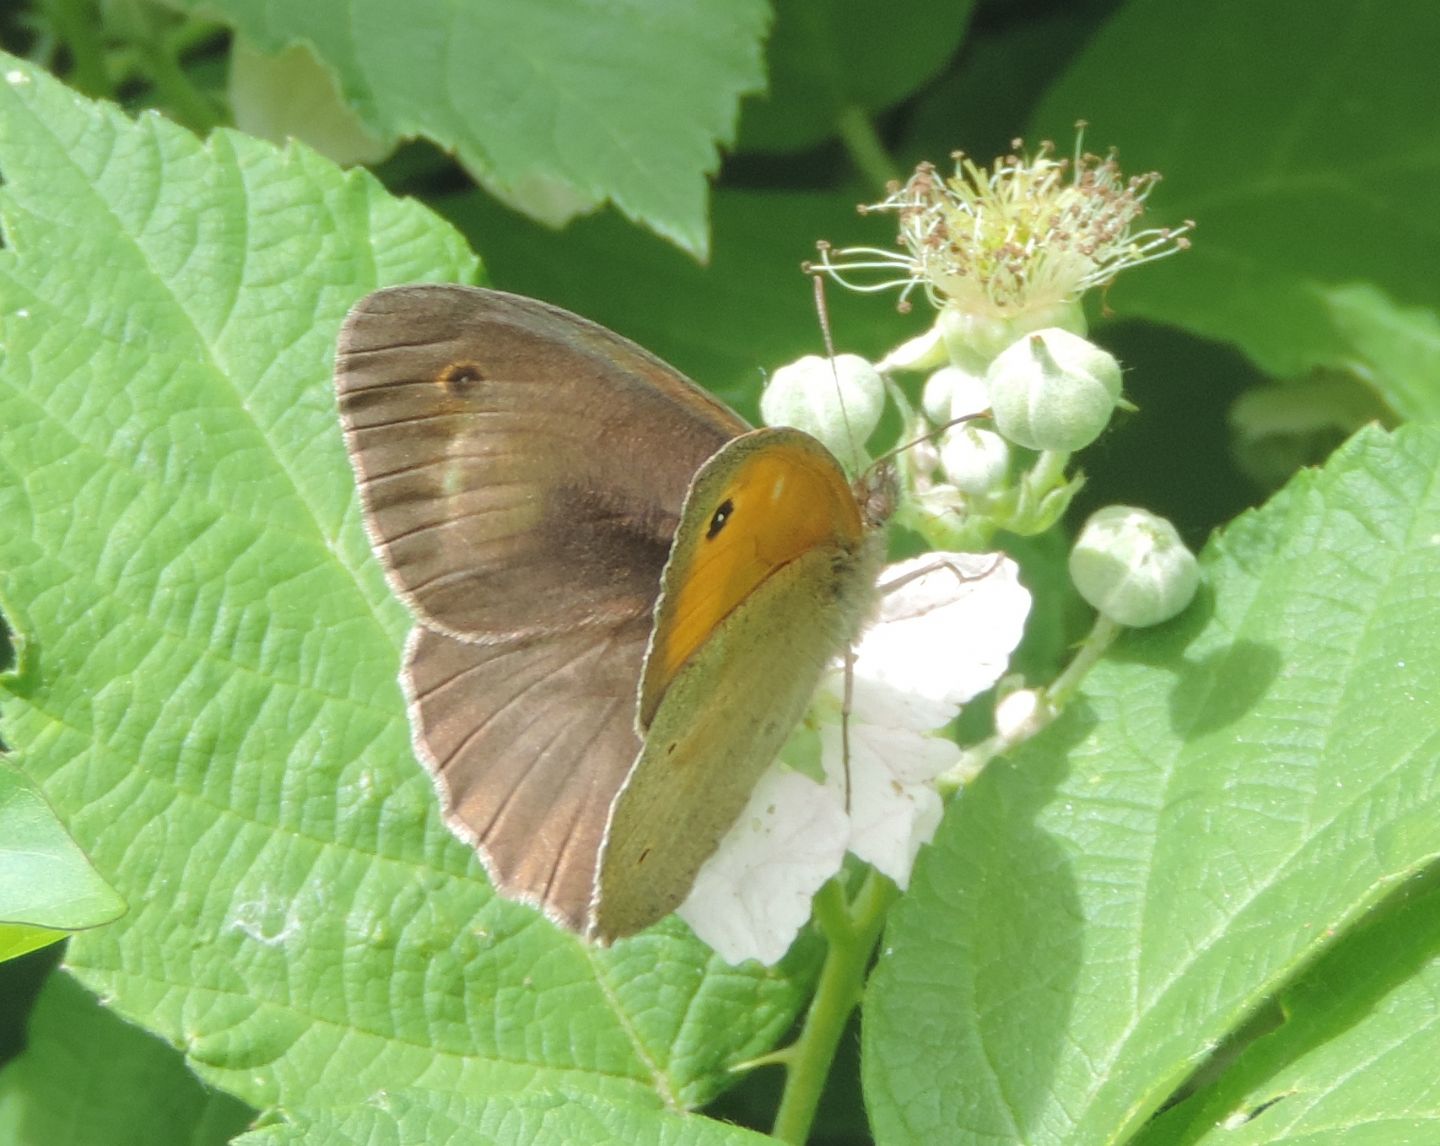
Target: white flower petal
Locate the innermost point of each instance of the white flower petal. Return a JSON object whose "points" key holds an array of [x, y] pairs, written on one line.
{"points": [[941, 637], [880, 703], [753, 895], [894, 808], [945, 635]]}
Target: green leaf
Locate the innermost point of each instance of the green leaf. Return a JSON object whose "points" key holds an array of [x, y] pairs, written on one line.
{"points": [[832, 58], [1355, 1058], [545, 1119], [212, 704], [1234, 791], [554, 108], [1301, 138], [87, 1077], [20, 939], [47, 886]]}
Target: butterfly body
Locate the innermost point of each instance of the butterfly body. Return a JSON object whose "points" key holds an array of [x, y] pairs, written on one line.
{"points": [[624, 596]]}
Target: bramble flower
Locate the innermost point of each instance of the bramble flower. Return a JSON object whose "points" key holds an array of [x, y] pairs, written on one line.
{"points": [[1004, 254], [944, 633], [1025, 237]]}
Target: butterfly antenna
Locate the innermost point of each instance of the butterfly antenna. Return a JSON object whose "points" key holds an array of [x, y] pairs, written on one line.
{"points": [[930, 434], [822, 312], [846, 706]]}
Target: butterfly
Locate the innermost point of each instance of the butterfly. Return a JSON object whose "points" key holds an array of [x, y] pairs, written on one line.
{"points": [[623, 595]]}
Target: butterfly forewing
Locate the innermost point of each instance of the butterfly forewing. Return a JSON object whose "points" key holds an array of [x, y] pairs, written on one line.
{"points": [[777, 601]]}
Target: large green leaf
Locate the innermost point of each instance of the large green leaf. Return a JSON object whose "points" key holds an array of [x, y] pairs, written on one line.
{"points": [[1302, 137], [542, 1119], [1355, 1058], [211, 703], [1232, 794], [556, 108]]}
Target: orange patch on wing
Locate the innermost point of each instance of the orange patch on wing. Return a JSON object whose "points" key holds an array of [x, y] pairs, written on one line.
{"points": [[783, 502]]}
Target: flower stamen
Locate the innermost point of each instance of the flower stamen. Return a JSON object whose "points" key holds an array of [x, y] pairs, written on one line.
{"points": [[1031, 232]]}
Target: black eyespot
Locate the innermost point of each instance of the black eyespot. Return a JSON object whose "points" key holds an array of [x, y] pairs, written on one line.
{"points": [[458, 377], [722, 515]]}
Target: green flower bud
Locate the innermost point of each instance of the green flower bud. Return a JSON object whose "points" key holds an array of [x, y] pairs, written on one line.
{"points": [[952, 393], [840, 403], [1053, 390], [975, 461], [1132, 566]]}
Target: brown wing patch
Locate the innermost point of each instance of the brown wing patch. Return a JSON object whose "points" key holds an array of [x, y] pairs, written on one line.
{"points": [[528, 742], [522, 469]]}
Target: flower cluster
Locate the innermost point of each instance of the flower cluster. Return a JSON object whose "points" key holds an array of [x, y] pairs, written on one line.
{"points": [[1013, 390]]}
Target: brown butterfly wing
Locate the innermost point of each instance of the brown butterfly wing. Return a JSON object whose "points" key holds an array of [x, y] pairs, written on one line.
{"points": [[522, 472], [527, 742], [522, 469]]}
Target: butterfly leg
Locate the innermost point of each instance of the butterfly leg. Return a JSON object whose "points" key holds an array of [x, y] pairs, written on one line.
{"points": [[846, 705], [934, 567]]}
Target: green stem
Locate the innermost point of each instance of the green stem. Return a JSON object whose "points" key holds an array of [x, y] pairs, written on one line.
{"points": [[852, 930], [77, 24], [194, 34], [1101, 636], [1052, 702], [865, 149], [1049, 469]]}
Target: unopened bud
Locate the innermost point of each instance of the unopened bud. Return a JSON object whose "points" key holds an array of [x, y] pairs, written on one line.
{"points": [[1053, 390], [839, 402], [976, 461], [1019, 715], [952, 393], [1132, 566]]}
